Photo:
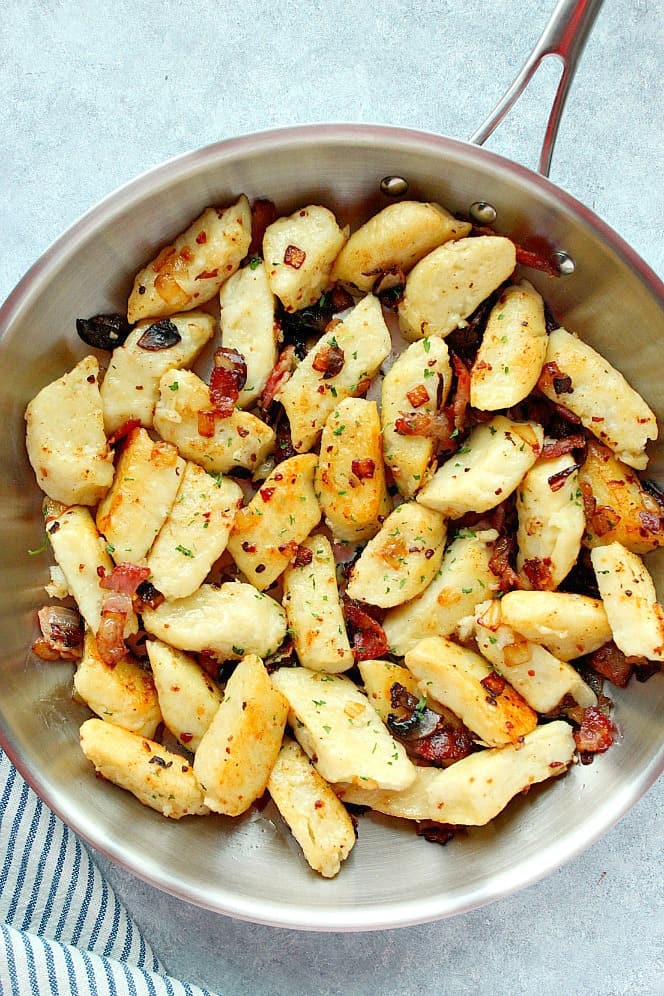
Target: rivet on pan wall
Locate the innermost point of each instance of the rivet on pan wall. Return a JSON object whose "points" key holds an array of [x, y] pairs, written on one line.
{"points": [[393, 186], [482, 211], [564, 262]]}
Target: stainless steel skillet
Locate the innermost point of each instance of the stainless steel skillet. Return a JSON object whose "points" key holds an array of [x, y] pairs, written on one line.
{"points": [[249, 870]]}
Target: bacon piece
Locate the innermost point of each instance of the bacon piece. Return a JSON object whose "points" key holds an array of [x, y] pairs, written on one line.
{"points": [[329, 360], [426, 735], [228, 377], [263, 213], [558, 447], [603, 520], [462, 392], [596, 732], [538, 572], [368, 636], [364, 470], [613, 664], [436, 833], [535, 261], [500, 564], [125, 577], [556, 481], [281, 372], [147, 595], [205, 422], [494, 684], [438, 426]]}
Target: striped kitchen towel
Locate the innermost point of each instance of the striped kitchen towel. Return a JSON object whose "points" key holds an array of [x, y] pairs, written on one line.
{"points": [[63, 928]]}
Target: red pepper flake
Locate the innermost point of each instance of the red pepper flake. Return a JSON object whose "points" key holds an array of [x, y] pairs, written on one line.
{"points": [[294, 257], [266, 493], [186, 738], [248, 547], [418, 396], [363, 469], [303, 557], [201, 238], [228, 377], [556, 481], [207, 274]]}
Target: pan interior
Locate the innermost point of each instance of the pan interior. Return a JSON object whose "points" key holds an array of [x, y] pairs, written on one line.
{"points": [[250, 867]]}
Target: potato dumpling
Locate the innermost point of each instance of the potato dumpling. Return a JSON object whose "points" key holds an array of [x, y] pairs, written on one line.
{"points": [[392, 241], [241, 440], [513, 348], [600, 396], [316, 818], [340, 731], [635, 616], [147, 478], [339, 366], [569, 625], [65, 438], [487, 468], [622, 510], [123, 695], [350, 477], [239, 748], [464, 580], [190, 272], [416, 384], [157, 777], [130, 389], [299, 251], [551, 522], [445, 287], [312, 604], [188, 697], [401, 560], [214, 619], [464, 682], [282, 513], [248, 325]]}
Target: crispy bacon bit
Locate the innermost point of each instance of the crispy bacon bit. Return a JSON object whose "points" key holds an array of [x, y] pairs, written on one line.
{"points": [[556, 481], [294, 257], [125, 578], [206, 419], [535, 261], [329, 359], [437, 426], [426, 735], [228, 377], [494, 684], [62, 634], [362, 387], [538, 572], [123, 431], [147, 596], [263, 213], [303, 557], [162, 335], [386, 279], [596, 732], [115, 611], [603, 520], [500, 565], [363, 469], [418, 396], [613, 664], [558, 447], [368, 636], [552, 376], [280, 374], [462, 392], [436, 833]]}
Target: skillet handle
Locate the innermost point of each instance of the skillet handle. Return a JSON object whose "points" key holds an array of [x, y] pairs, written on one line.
{"points": [[564, 37]]}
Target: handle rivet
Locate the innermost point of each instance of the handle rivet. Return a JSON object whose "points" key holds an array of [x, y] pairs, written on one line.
{"points": [[393, 186], [564, 262], [483, 211]]}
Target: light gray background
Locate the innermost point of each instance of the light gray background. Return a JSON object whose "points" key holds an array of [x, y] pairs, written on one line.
{"points": [[92, 94]]}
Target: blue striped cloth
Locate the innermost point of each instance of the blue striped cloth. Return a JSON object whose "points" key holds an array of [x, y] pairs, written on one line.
{"points": [[63, 928]]}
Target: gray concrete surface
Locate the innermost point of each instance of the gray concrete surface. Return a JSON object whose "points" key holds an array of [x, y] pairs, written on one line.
{"points": [[92, 93]]}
